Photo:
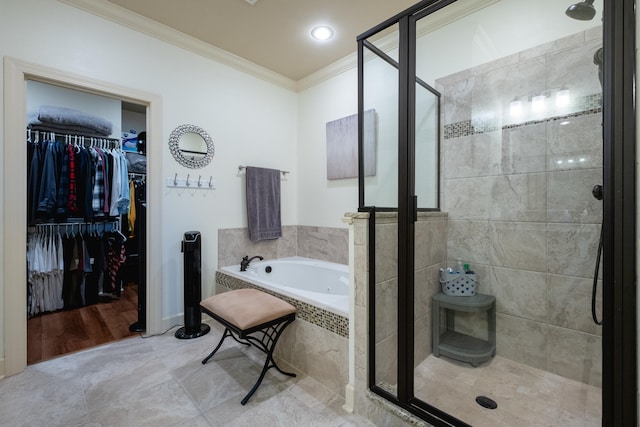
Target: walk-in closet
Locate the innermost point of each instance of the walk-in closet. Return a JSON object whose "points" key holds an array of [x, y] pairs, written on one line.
{"points": [[86, 209]]}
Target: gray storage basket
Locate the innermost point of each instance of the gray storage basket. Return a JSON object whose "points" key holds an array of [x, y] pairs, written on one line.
{"points": [[459, 285]]}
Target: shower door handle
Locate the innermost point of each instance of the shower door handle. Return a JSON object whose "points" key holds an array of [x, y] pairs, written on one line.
{"points": [[414, 208]]}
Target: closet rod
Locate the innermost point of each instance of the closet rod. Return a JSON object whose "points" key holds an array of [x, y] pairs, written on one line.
{"points": [[244, 167], [110, 225], [73, 136]]}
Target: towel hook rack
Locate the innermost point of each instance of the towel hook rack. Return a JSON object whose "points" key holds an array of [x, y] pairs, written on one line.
{"points": [[177, 182]]}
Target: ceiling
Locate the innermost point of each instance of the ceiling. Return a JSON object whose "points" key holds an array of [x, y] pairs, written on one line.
{"points": [[272, 33]]}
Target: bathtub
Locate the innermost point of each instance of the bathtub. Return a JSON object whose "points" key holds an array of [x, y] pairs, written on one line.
{"points": [[318, 283]]}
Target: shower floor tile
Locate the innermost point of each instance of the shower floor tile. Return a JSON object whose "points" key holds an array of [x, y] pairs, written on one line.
{"points": [[525, 396]]}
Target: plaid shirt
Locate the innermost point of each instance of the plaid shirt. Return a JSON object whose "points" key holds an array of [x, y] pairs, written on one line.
{"points": [[97, 203], [73, 189], [62, 191]]}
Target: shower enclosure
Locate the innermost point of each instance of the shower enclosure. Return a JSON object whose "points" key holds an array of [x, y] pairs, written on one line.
{"points": [[492, 129]]}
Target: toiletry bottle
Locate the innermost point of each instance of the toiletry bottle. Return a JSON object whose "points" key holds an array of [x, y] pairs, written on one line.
{"points": [[467, 270], [459, 267]]}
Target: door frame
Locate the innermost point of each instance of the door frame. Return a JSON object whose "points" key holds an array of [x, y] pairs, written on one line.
{"points": [[14, 215]]}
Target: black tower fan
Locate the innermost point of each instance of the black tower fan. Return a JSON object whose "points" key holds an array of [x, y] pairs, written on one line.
{"points": [[192, 288]]}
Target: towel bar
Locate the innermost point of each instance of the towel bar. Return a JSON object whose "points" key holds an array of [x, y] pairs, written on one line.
{"points": [[244, 167]]}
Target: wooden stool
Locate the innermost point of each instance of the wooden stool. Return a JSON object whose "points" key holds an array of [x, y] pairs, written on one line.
{"points": [[257, 319]]}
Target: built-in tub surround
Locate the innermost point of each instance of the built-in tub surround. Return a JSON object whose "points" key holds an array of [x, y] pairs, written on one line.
{"points": [[430, 255], [519, 200], [322, 243], [317, 342]]}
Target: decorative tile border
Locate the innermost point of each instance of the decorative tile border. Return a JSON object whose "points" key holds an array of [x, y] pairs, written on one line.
{"points": [[470, 127], [589, 104], [320, 317]]}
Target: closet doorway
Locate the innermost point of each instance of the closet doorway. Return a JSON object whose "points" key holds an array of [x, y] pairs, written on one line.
{"points": [[17, 73], [83, 253]]}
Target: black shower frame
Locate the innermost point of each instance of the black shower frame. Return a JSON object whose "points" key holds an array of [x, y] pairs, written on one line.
{"points": [[361, 166], [619, 338]]}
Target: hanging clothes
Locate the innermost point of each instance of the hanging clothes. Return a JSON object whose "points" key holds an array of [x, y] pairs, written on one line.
{"points": [[116, 256], [70, 181], [72, 200], [94, 269], [71, 185], [48, 184], [72, 270], [131, 216], [44, 273]]}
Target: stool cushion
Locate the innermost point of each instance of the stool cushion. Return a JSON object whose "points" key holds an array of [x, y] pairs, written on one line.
{"points": [[246, 308]]}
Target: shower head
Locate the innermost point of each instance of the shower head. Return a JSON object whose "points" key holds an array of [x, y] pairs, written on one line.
{"points": [[582, 11]]}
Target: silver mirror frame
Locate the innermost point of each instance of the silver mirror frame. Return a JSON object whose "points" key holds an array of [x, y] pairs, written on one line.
{"points": [[176, 152]]}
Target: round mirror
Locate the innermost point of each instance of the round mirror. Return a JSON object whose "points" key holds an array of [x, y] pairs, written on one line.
{"points": [[191, 146]]}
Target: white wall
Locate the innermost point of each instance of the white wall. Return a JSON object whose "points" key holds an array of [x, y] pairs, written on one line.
{"points": [[132, 120], [323, 202], [251, 121]]}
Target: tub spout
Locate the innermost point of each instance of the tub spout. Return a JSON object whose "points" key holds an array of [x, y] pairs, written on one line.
{"points": [[246, 260]]}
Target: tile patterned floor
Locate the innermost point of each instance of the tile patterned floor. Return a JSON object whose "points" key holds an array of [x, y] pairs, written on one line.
{"points": [[160, 381]]}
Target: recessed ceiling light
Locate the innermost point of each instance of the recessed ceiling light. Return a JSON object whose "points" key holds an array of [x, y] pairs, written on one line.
{"points": [[322, 32]]}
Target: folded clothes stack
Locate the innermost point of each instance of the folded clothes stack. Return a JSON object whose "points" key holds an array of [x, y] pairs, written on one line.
{"points": [[65, 120]]}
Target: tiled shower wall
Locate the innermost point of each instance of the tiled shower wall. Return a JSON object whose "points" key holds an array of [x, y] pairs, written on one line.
{"points": [[518, 195], [323, 243], [430, 254]]}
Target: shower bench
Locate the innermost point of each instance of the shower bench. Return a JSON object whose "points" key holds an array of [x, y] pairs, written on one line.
{"points": [[456, 345], [251, 317]]}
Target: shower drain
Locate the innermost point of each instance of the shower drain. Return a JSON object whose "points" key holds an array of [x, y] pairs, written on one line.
{"points": [[486, 402]]}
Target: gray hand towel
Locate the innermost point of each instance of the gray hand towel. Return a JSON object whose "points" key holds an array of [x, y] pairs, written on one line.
{"points": [[263, 203]]}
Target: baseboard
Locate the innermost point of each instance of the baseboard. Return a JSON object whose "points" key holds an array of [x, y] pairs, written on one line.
{"points": [[349, 393], [166, 324]]}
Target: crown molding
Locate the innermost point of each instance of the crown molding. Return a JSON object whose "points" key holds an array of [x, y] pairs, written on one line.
{"points": [[134, 21], [340, 66]]}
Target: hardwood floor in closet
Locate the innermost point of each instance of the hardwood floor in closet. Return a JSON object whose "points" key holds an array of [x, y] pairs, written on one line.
{"points": [[54, 334]]}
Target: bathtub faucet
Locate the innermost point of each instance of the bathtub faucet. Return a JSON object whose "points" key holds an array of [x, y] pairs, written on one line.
{"points": [[246, 260]]}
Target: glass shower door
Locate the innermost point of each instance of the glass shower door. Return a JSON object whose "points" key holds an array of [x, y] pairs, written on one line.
{"points": [[521, 149], [380, 157], [384, 195], [489, 129]]}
